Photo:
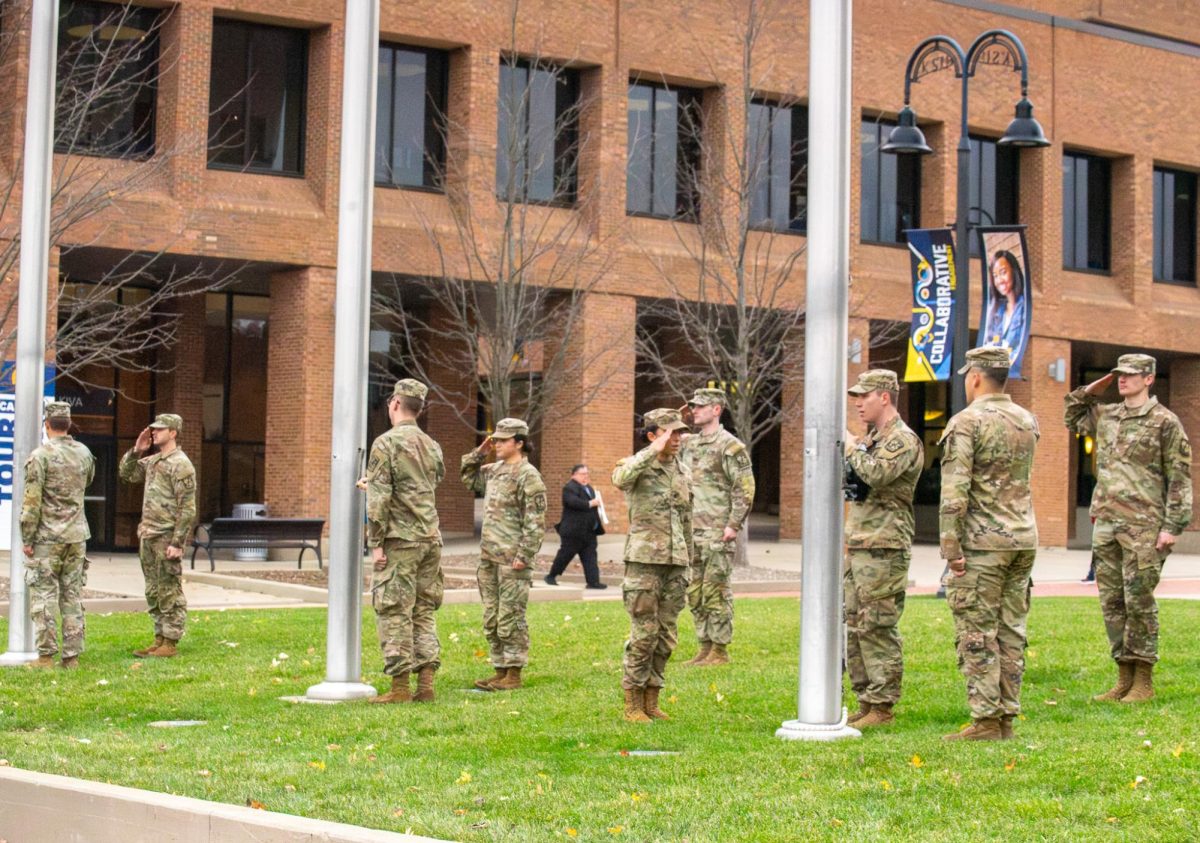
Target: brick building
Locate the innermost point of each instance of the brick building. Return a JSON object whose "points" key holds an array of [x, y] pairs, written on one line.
{"points": [[241, 130]]}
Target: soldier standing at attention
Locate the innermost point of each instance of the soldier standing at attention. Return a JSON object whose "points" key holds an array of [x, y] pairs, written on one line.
{"points": [[989, 540], [1142, 502], [723, 492], [54, 534], [658, 555], [514, 527], [403, 473], [168, 515], [879, 534]]}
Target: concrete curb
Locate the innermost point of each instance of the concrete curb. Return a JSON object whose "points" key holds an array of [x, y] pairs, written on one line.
{"points": [[40, 806]]}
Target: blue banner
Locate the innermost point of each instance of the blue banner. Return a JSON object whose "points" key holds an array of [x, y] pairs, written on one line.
{"points": [[931, 337], [1007, 300]]}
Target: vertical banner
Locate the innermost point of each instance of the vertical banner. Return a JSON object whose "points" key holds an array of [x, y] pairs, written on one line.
{"points": [[931, 337], [8, 416], [1007, 299]]}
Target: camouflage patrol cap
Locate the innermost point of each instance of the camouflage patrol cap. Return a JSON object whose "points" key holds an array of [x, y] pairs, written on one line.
{"points": [[987, 357], [58, 410], [508, 428], [168, 421], [1135, 364], [410, 388], [664, 419], [705, 397], [875, 379]]}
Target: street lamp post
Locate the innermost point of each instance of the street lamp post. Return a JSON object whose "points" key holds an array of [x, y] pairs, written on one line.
{"points": [[941, 52]]}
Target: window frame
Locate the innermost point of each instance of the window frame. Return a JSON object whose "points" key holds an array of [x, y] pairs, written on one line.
{"points": [[302, 117], [1160, 244], [687, 198], [1071, 218], [439, 119], [566, 136]]}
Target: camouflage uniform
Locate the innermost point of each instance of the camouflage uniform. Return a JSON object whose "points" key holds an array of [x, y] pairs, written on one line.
{"points": [[658, 554], [987, 519], [514, 527], [879, 533], [53, 523], [723, 492], [403, 472], [168, 516], [1143, 486]]}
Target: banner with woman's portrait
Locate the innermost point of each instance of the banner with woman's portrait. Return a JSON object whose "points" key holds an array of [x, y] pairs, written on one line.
{"points": [[1007, 300]]}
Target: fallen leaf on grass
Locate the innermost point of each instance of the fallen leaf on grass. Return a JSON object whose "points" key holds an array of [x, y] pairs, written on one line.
{"points": [[102, 682], [885, 784], [480, 824], [1010, 766], [636, 797], [253, 692], [479, 654], [615, 829], [916, 761], [463, 778], [1177, 751], [1147, 744], [333, 747], [317, 765], [673, 699], [624, 753], [1133, 785], [136, 666], [1051, 702], [836, 823], [1060, 690], [204, 773], [290, 788], [460, 811], [572, 832], [255, 804], [399, 812]]}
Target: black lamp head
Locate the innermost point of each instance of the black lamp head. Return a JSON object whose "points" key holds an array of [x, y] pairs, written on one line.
{"points": [[1024, 130], [906, 138]]}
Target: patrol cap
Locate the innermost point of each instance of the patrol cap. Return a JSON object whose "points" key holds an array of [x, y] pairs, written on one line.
{"points": [[168, 421], [508, 428], [875, 379], [664, 419], [1135, 364], [705, 397], [410, 388], [58, 410], [987, 357]]}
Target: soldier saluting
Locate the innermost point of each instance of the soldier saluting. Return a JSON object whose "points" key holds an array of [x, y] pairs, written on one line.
{"points": [[1142, 502]]}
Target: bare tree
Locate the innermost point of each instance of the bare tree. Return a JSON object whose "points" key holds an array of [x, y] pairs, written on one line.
{"points": [[110, 62], [517, 259]]}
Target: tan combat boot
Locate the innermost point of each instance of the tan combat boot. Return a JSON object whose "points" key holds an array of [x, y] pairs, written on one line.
{"points": [[864, 708], [1124, 683], [43, 662], [425, 684], [650, 704], [718, 656], [705, 649], [486, 684], [165, 650], [145, 651], [510, 682], [1142, 689], [635, 706], [1006, 727], [880, 715], [400, 691], [70, 662], [987, 729]]}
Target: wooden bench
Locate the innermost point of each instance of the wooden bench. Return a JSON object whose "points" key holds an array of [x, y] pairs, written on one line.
{"points": [[303, 533]]}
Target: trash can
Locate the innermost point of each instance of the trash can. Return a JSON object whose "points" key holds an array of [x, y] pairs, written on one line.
{"points": [[252, 551]]}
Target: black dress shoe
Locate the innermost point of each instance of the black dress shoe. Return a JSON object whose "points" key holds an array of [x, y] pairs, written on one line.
{"points": [[550, 580], [597, 585]]}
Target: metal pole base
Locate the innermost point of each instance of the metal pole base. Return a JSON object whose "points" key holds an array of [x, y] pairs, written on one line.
{"points": [[340, 691], [794, 730], [11, 659]]}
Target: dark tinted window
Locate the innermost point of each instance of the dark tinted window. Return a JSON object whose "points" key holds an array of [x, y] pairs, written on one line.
{"points": [[662, 152], [995, 179], [410, 130], [1086, 212], [778, 163], [537, 133], [1174, 226], [890, 188]]}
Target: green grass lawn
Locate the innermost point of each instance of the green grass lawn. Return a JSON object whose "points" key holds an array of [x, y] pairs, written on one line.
{"points": [[549, 761]]}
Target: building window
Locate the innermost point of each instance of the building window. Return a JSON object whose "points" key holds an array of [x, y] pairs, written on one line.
{"points": [[410, 122], [256, 98], [106, 80], [1086, 212], [537, 133], [777, 164], [663, 152], [995, 185], [1174, 226], [890, 187]]}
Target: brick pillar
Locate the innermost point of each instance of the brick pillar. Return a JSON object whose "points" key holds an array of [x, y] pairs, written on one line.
{"points": [[180, 390], [1053, 500], [591, 418], [446, 422], [1185, 403], [300, 392]]}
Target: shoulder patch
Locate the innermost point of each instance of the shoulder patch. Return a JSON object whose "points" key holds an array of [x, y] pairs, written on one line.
{"points": [[188, 482], [894, 445], [735, 446]]}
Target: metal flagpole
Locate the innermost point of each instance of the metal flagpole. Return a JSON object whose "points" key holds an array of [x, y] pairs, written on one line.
{"points": [[821, 715], [343, 670], [31, 305]]}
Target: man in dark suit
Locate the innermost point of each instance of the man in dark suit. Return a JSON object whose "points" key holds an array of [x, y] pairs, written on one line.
{"points": [[578, 529]]}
